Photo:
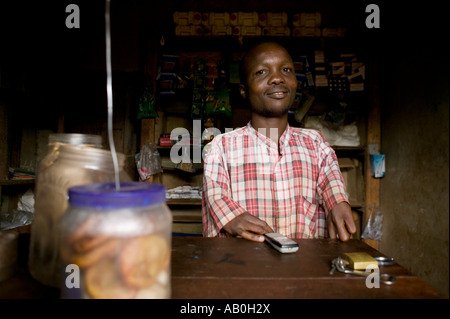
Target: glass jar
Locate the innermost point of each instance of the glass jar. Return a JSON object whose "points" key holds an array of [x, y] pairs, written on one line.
{"points": [[67, 164], [57, 139], [116, 243]]}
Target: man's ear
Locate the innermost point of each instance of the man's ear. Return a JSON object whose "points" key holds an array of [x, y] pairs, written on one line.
{"points": [[242, 91]]}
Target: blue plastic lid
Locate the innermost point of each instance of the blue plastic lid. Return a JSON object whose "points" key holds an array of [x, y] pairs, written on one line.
{"points": [[105, 195]]}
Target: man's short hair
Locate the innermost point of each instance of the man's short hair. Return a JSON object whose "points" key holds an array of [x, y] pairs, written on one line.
{"points": [[251, 46]]}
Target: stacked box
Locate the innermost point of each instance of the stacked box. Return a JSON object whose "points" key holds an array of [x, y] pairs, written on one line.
{"points": [[306, 24], [245, 24], [303, 72], [320, 69], [188, 23], [308, 20], [247, 30], [306, 32], [167, 77], [219, 19], [221, 30], [194, 23], [244, 19], [272, 19], [337, 68], [276, 31], [187, 18], [188, 30], [342, 73], [205, 18], [357, 76], [354, 71], [167, 84], [216, 24], [274, 24]]}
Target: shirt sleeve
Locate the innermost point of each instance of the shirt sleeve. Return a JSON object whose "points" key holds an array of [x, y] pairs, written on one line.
{"points": [[218, 207], [331, 185]]}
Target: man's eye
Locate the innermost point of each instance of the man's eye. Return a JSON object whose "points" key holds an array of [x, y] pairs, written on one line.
{"points": [[259, 72], [287, 70]]}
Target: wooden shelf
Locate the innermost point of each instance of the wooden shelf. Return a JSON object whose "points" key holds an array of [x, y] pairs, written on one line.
{"points": [[6, 182], [184, 201], [349, 148], [197, 170], [356, 204], [349, 151]]}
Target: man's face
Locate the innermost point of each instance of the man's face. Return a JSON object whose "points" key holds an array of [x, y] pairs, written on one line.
{"points": [[271, 81]]}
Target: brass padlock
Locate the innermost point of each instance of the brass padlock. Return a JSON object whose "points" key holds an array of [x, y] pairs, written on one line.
{"points": [[359, 261]]}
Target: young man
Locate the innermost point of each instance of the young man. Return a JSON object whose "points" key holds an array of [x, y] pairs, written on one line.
{"points": [[269, 176]]}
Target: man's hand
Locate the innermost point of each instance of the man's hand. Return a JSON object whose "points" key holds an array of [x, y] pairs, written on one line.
{"points": [[248, 226], [340, 222]]}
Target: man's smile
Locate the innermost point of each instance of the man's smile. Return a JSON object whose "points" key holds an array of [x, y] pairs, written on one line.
{"points": [[278, 93]]}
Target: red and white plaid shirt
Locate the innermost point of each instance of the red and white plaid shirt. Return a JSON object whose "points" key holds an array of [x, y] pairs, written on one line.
{"points": [[292, 190]]}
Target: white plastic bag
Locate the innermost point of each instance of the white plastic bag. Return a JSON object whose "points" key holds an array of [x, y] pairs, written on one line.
{"points": [[148, 161], [374, 227], [26, 202]]}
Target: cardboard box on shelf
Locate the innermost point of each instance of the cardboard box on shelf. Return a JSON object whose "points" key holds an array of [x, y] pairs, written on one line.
{"points": [[244, 18], [219, 18], [276, 31], [188, 30], [306, 19], [306, 32], [187, 18], [165, 141]]}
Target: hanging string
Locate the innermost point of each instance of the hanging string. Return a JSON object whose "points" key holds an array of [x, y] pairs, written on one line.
{"points": [[109, 93]]}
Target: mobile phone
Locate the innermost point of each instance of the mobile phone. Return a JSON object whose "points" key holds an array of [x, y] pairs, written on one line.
{"points": [[281, 243]]}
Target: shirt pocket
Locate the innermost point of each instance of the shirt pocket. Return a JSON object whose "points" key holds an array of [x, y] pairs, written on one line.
{"points": [[306, 217]]}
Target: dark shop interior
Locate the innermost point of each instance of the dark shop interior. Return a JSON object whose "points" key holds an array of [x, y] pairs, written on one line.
{"points": [[372, 77]]}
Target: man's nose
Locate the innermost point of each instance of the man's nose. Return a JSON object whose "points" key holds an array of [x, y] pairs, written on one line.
{"points": [[276, 78]]}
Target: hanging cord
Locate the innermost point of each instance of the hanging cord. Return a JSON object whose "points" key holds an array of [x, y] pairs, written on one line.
{"points": [[109, 94]]}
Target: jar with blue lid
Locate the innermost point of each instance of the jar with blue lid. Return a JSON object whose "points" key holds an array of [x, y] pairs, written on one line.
{"points": [[72, 159], [116, 242]]}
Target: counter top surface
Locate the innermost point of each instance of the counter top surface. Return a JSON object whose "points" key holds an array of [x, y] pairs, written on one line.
{"points": [[224, 268]]}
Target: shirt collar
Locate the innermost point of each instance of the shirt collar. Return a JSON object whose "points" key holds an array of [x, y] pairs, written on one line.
{"points": [[284, 139]]}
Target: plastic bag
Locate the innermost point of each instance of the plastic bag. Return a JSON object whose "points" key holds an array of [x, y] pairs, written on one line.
{"points": [[26, 202], [147, 107], [15, 218], [374, 227], [148, 161]]}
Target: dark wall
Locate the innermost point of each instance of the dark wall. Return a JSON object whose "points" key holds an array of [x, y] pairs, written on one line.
{"points": [[415, 139]]}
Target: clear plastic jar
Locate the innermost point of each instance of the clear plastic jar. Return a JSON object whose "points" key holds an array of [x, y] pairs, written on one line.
{"points": [[57, 139], [116, 243], [67, 164]]}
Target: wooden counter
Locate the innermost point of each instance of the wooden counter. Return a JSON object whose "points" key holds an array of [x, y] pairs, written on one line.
{"points": [[213, 268], [237, 268]]}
